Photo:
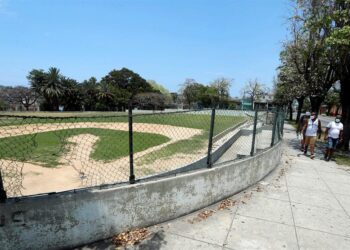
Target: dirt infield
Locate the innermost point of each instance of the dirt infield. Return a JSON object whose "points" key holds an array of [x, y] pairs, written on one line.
{"points": [[77, 169]]}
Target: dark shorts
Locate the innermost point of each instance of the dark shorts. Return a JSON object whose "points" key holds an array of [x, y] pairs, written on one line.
{"points": [[332, 143]]}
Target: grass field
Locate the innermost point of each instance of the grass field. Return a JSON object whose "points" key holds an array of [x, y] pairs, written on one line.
{"points": [[196, 143], [200, 121], [46, 148]]}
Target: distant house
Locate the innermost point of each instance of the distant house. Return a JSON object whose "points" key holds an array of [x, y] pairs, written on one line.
{"points": [[234, 103], [264, 103]]}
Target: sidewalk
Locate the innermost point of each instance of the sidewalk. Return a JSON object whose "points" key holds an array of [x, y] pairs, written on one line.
{"points": [[303, 204]]}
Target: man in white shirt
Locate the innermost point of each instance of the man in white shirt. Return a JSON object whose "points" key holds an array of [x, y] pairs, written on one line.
{"points": [[334, 134], [311, 128]]}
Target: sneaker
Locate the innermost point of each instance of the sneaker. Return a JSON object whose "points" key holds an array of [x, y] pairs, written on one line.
{"points": [[312, 156]]}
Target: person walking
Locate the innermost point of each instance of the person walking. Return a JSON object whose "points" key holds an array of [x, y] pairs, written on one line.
{"points": [[301, 122], [333, 134], [311, 128]]}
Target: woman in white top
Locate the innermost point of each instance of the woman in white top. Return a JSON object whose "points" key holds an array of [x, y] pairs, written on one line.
{"points": [[334, 134], [311, 128]]}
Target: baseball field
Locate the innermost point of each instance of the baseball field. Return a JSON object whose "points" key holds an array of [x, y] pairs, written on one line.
{"points": [[51, 152]]}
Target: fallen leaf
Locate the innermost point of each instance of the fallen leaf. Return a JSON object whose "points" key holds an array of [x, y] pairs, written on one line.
{"points": [[225, 204], [131, 237], [205, 214]]}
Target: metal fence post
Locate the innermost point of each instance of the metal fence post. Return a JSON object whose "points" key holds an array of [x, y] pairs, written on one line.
{"points": [[131, 145], [3, 195], [254, 133], [274, 129], [211, 132], [283, 117], [279, 126]]}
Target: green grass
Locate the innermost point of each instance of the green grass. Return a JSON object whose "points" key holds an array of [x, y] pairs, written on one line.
{"points": [[46, 148], [197, 142], [200, 121], [342, 159], [49, 148]]}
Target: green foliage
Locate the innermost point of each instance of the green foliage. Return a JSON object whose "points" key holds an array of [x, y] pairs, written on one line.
{"points": [[126, 79], [339, 37], [332, 98], [168, 99], [113, 92], [198, 95]]}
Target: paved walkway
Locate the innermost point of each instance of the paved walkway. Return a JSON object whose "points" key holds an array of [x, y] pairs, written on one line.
{"points": [[303, 204]]}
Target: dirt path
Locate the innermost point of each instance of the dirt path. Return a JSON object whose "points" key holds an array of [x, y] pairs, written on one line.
{"points": [[78, 169]]}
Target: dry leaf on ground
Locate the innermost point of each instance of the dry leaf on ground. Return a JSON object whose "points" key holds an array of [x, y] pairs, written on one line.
{"points": [[131, 237], [225, 204], [205, 214]]}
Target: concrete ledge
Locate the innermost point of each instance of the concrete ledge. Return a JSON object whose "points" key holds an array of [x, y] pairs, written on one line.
{"points": [[69, 219]]}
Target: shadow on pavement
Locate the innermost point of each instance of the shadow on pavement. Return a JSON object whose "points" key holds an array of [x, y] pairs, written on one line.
{"points": [[295, 144], [154, 243]]}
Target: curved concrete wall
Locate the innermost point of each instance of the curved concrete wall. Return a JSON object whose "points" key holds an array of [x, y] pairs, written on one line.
{"points": [[73, 218]]}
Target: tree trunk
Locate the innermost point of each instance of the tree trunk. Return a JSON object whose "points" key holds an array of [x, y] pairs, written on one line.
{"points": [[316, 102], [300, 107], [290, 111], [345, 101], [337, 112]]}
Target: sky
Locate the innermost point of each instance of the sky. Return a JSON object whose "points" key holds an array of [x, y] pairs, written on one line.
{"points": [[163, 40]]}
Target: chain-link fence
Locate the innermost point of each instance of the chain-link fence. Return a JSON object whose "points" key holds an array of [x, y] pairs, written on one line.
{"points": [[51, 154]]}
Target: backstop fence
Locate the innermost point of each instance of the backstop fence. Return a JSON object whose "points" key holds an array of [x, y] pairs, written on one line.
{"points": [[51, 154]]}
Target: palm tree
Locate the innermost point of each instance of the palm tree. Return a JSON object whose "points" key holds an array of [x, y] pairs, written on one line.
{"points": [[53, 87], [49, 85], [105, 94]]}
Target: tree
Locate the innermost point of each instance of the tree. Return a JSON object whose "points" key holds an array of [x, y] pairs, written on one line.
{"points": [[330, 20], [254, 90], [150, 101], [332, 99], [25, 96], [161, 89], [72, 98], [222, 86], [19, 95], [129, 83], [48, 85], [290, 85], [191, 91], [105, 96], [336, 22], [89, 91], [309, 56], [211, 98]]}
